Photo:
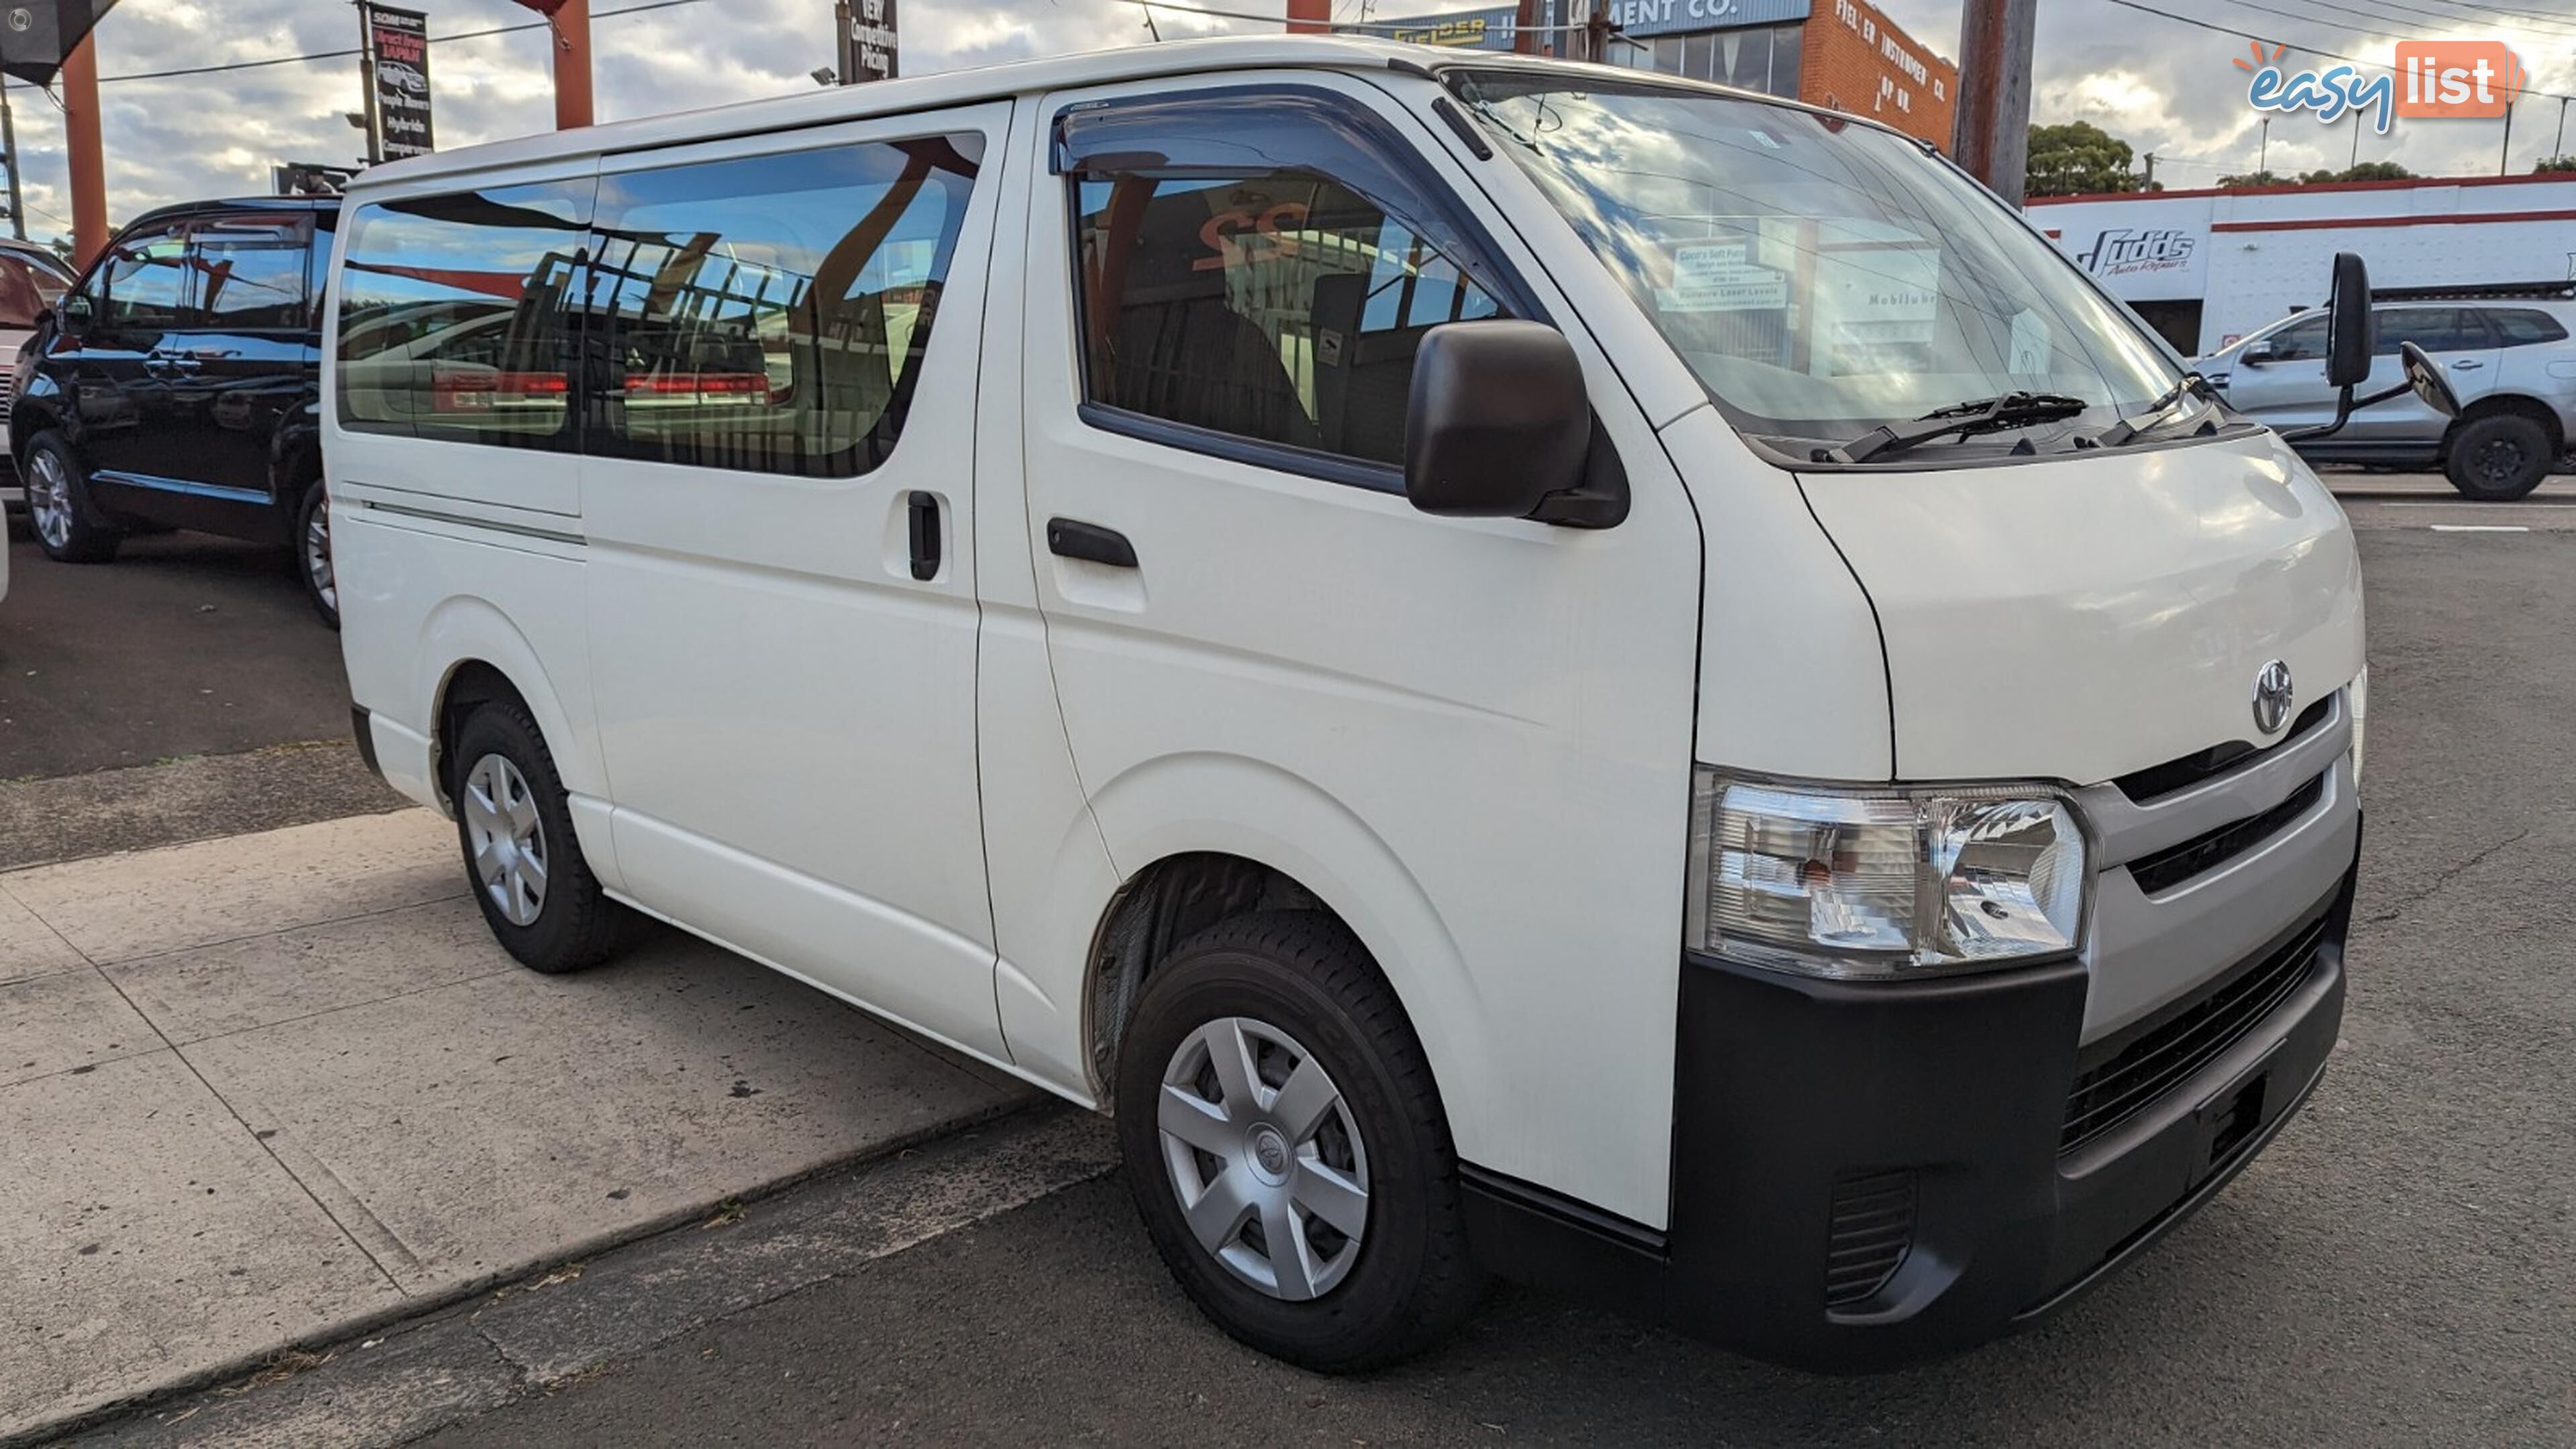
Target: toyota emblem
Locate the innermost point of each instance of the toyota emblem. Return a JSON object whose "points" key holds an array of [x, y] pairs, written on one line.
{"points": [[2272, 697]]}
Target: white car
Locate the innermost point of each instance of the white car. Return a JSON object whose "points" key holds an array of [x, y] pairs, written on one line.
{"points": [[1522, 669], [32, 280]]}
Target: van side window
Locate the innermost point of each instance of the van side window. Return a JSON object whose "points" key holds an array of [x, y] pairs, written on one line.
{"points": [[147, 282], [770, 314], [1280, 301], [454, 315], [250, 272]]}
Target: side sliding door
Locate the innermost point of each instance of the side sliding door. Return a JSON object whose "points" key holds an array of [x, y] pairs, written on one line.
{"points": [[778, 436]]}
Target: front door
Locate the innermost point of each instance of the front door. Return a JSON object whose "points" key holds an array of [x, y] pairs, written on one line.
{"points": [[117, 363], [2280, 380], [2458, 342], [1470, 736], [776, 487]]}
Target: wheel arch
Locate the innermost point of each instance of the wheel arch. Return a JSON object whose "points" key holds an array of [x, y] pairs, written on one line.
{"points": [[1276, 841], [474, 653], [2508, 404]]}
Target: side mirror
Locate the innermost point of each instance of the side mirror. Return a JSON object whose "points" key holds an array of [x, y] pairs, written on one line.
{"points": [[2348, 336], [1497, 420], [2256, 355], [2427, 382], [77, 312]]}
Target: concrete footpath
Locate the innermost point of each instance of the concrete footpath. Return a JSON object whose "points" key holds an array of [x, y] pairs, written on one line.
{"points": [[274, 1089]]}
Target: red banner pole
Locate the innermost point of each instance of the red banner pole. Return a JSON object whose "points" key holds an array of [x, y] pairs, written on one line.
{"points": [[88, 156], [572, 65]]}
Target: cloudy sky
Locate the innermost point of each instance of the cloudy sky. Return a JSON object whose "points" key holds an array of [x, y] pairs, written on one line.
{"points": [[2162, 86]]}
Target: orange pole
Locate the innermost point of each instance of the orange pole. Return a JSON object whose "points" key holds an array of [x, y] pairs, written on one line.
{"points": [[1310, 17], [572, 65], [88, 157]]}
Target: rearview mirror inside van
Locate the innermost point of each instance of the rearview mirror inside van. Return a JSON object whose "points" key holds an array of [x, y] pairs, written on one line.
{"points": [[1497, 419]]}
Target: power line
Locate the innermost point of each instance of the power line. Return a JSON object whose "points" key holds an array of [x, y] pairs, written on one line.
{"points": [[353, 50], [2274, 40], [2452, 23], [2504, 10]]}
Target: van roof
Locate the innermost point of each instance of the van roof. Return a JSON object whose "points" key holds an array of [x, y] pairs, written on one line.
{"points": [[966, 87]]}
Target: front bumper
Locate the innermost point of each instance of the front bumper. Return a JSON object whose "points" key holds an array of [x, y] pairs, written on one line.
{"points": [[1867, 1175]]}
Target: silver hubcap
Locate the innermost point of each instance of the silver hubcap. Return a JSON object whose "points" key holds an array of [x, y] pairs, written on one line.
{"points": [[1263, 1154], [317, 558], [507, 837], [49, 499]]}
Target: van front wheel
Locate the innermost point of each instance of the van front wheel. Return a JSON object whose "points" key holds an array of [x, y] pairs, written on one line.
{"points": [[1287, 1149]]}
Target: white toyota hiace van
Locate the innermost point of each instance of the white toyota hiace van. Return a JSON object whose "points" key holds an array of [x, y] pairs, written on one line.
{"points": [[1525, 669]]}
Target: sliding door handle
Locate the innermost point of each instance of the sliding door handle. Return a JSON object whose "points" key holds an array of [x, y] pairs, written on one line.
{"points": [[923, 511], [1071, 538]]}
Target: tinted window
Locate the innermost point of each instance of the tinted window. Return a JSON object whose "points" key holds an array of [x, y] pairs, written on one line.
{"points": [[26, 288], [250, 272], [1281, 306], [454, 315], [2523, 326], [2305, 338], [771, 313], [2435, 329], [147, 282]]}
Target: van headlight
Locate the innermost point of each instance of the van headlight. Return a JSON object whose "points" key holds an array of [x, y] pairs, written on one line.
{"points": [[1875, 884]]}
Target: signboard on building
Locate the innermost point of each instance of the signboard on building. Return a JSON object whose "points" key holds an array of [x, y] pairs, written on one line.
{"points": [[399, 41], [1639, 19], [1493, 28], [870, 45]]}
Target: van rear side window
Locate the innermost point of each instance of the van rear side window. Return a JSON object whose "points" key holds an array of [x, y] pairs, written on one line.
{"points": [[770, 314], [454, 318]]}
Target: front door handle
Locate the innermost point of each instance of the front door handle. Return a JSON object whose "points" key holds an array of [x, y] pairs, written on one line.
{"points": [[922, 510], [1072, 538], [2467, 364]]}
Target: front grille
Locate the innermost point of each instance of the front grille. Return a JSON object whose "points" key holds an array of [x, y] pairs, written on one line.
{"points": [[2157, 781], [1872, 1230], [2129, 1073], [2173, 865]]}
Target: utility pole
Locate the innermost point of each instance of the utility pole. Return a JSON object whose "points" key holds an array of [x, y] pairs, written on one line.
{"points": [[1991, 137], [2263, 155], [9, 144], [2504, 160], [2150, 183], [2559, 146], [1310, 17], [2356, 139], [845, 57]]}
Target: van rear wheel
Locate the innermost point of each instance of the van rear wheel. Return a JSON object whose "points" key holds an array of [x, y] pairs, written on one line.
{"points": [[313, 552], [514, 823], [1287, 1149]]}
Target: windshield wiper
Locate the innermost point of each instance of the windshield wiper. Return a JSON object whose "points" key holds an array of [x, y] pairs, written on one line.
{"points": [[1981, 415], [2127, 430]]}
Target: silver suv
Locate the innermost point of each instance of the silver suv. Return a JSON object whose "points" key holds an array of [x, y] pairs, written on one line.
{"points": [[2508, 357]]}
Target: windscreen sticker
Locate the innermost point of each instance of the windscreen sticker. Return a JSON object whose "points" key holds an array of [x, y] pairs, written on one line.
{"points": [[1716, 276]]}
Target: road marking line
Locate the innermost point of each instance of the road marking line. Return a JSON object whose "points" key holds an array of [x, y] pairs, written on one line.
{"points": [[2479, 528], [2457, 503]]}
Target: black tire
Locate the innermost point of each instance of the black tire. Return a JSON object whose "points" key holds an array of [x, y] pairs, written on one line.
{"points": [[2499, 457], [1304, 974], [574, 924], [71, 529], [321, 584]]}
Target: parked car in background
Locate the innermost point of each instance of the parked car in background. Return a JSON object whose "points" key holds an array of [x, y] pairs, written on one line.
{"points": [[32, 282], [2508, 355], [176, 387]]}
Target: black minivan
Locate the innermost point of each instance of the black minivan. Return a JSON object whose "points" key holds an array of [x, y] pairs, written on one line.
{"points": [[177, 386]]}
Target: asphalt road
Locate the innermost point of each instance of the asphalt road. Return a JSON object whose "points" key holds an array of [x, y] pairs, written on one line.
{"points": [[2400, 1267], [186, 645]]}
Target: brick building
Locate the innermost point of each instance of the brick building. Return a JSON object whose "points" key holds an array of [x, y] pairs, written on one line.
{"points": [[1843, 54]]}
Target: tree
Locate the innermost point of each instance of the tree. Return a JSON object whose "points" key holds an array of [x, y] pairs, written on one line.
{"points": [[2256, 178], [2554, 166], [2077, 159], [2375, 171]]}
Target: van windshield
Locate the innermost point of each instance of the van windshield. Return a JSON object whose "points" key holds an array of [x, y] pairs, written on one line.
{"points": [[1821, 277]]}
